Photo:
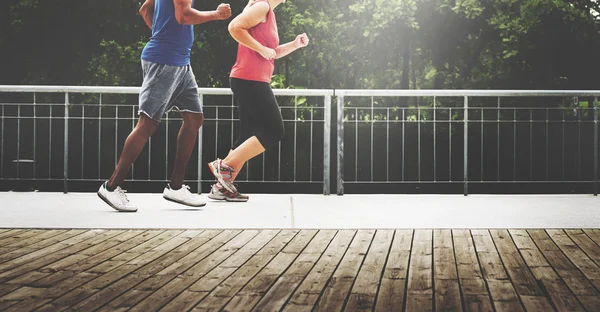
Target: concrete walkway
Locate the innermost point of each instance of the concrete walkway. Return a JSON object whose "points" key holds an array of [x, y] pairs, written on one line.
{"points": [[86, 210]]}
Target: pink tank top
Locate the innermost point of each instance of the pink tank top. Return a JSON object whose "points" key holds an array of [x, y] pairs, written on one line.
{"points": [[250, 65]]}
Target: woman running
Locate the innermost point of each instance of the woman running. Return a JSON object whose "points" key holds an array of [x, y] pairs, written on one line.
{"points": [[261, 124]]}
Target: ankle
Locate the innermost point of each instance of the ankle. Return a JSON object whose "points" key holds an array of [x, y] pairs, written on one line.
{"points": [[175, 187], [228, 164], [109, 187]]}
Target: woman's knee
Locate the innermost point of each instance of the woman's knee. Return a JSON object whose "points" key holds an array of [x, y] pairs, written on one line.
{"points": [[280, 132]]}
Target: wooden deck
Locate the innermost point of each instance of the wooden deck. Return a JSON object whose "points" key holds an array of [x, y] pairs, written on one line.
{"points": [[299, 270]]}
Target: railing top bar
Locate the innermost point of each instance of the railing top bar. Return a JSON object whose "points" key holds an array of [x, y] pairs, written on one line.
{"points": [[311, 92], [482, 93], [136, 90]]}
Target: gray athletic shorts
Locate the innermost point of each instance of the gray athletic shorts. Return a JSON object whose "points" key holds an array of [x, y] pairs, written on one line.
{"points": [[167, 87]]}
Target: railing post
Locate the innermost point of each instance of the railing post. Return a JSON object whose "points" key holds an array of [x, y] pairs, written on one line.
{"points": [[466, 147], [596, 146], [327, 146], [340, 145], [66, 145], [200, 150]]}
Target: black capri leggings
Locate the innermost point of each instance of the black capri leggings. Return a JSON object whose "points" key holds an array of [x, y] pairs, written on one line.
{"points": [[258, 111]]}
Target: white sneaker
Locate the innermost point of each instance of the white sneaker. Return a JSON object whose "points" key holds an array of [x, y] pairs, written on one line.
{"points": [[116, 199], [183, 196]]}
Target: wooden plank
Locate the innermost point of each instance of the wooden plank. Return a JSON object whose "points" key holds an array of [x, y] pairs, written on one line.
{"points": [[594, 234], [522, 279], [560, 294], [4, 305], [85, 284], [585, 243], [29, 278], [338, 287], [491, 264], [226, 290], [39, 249], [209, 256], [61, 250], [502, 291], [393, 284], [248, 296], [475, 293], [577, 256], [23, 306], [7, 289], [21, 236], [239, 249], [419, 292], [363, 293], [147, 291], [126, 243], [54, 269], [536, 304], [287, 283], [573, 277], [309, 290], [38, 297], [175, 249], [10, 233], [445, 274]]}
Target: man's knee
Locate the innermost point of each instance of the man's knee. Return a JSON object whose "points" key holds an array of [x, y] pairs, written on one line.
{"points": [[193, 120], [146, 125]]}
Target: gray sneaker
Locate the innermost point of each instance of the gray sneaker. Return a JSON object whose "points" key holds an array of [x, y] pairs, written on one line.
{"points": [[221, 193], [223, 174]]}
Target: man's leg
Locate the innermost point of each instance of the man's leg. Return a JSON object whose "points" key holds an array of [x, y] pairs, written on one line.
{"points": [[134, 144], [186, 140]]}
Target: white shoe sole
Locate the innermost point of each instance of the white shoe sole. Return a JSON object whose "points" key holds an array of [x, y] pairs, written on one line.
{"points": [[113, 206], [183, 203]]}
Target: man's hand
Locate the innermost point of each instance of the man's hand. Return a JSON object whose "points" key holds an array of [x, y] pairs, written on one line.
{"points": [[268, 53], [223, 11], [301, 41]]}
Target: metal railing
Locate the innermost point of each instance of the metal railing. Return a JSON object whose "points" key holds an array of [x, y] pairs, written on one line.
{"points": [[456, 137], [387, 114], [98, 119]]}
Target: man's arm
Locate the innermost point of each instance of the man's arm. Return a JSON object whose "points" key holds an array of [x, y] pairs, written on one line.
{"points": [[147, 12], [186, 15]]}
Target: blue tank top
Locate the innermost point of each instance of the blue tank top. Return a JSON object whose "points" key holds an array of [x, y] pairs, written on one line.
{"points": [[171, 42]]}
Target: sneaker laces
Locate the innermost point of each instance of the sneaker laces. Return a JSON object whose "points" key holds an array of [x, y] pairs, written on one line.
{"points": [[186, 190], [226, 168], [121, 193]]}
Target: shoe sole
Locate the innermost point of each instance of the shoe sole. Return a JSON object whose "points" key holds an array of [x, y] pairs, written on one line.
{"points": [[236, 200], [182, 203], [112, 206], [217, 198], [219, 178]]}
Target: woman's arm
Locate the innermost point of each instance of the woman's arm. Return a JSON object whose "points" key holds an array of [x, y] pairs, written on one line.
{"points": [[300, 42], [250, 17]]}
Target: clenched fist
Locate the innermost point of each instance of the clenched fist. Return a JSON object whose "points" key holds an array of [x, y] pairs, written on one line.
{"points": [[223, 11], [301, 41], [268, 53]]}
